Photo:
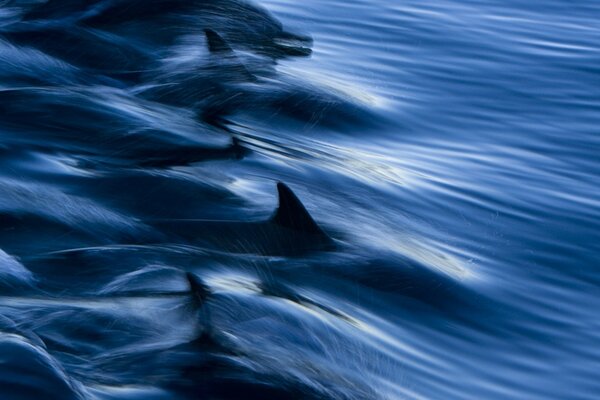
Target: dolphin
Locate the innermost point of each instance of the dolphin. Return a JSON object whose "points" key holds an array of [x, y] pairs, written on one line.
{"points": [[198, 289], [216, 367], [229, 82], [109, 127], [244, 23], [111, 37], [93, 51], [217, 81], [289, 231]]}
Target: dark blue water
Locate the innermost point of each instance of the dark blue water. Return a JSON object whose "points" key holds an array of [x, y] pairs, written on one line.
{"points": [[446, 151]]}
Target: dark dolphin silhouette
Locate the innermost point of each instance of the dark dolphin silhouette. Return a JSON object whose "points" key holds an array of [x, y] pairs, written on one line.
{"points": [[242, 23], [228, 82], [289, 231], [124, 38]]}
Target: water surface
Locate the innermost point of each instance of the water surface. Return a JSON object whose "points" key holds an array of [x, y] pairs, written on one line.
{"points": [[449, 149]]}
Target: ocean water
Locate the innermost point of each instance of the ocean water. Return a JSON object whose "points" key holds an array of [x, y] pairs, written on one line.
{"points": [[445, 152]]}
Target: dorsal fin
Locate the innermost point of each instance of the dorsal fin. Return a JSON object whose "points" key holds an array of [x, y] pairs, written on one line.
{"points": [[292, 214], [216, 44], [198, 288]]}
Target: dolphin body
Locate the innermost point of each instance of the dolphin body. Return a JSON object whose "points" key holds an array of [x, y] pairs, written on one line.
{"points": [[216, 367], [229, 82], [111, 37], [110, 40], [94, 125], [289, 231], [243, 23]]}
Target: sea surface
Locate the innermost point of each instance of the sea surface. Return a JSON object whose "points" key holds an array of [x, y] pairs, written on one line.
{"points": [[284, 199]]}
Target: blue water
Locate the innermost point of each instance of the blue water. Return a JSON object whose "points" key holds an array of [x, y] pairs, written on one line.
{"points": [[449, 149]]}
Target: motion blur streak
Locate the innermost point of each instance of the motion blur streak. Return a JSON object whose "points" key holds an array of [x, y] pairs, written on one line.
{"points": [[220, 199]]}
